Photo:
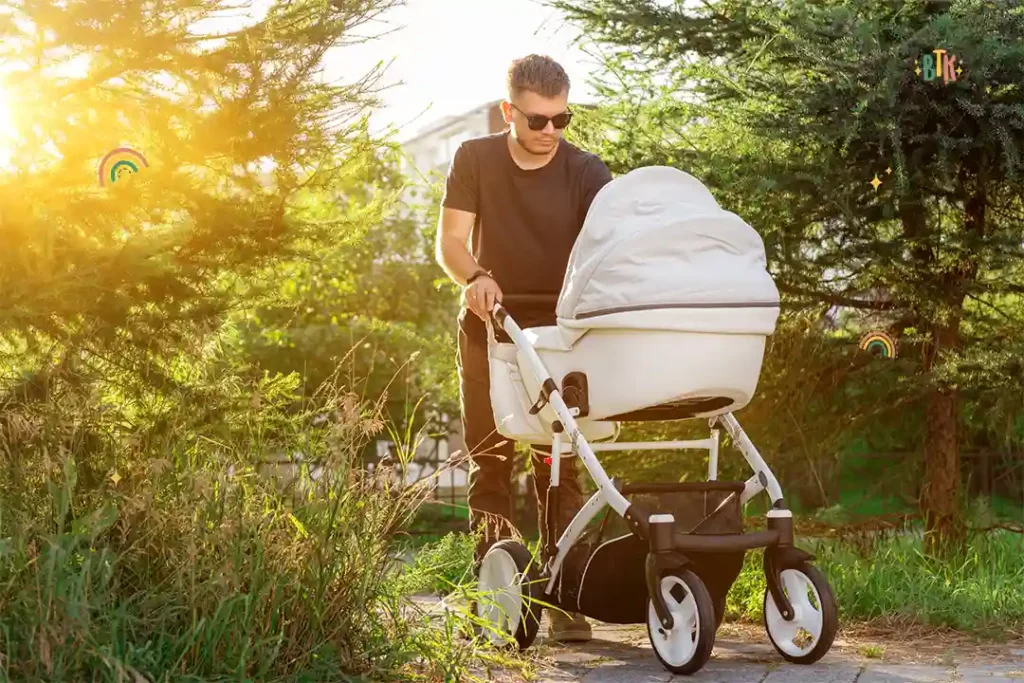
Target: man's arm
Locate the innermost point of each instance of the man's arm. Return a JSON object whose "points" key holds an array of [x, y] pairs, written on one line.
{"points": [[451, 250], [459, 207]]}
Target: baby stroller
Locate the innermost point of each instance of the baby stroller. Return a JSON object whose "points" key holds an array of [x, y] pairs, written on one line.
{"points": [[663, 315]]}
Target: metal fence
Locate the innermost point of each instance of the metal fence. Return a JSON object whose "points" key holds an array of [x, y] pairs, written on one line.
{"points": [[877, 480], [446, 507]]}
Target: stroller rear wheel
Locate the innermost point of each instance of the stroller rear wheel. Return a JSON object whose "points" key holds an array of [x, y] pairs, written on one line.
{"points": [[510, 588], [810, 634], [686, 647]]}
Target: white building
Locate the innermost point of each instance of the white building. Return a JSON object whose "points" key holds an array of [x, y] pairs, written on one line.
{"points": [[428, 153], [427, 156]]}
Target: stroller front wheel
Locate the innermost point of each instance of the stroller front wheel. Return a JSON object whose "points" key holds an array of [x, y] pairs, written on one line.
{"points": [[509, 584], [810, 634], [686, 647]]}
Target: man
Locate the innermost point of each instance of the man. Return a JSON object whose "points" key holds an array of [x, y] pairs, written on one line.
{"points": [[520, 197]]}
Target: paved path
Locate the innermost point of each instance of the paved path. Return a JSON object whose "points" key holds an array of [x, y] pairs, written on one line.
{"points": [[743, 654], [623, 655]]}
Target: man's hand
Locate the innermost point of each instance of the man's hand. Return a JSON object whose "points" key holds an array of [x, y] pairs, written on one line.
{"points": [[481, 296]]}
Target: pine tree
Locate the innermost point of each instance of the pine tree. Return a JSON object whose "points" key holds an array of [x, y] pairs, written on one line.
{"points": [[228, 120], [790, 111]]}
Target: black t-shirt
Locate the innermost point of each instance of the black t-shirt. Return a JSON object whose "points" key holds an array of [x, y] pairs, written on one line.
{"points": [[527, 221]]}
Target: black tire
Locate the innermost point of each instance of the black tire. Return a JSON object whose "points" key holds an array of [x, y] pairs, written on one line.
{"points": [[529, 586], [706, 626], [829, 616]]}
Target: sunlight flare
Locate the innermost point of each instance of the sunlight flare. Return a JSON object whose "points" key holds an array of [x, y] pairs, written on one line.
{"points": [[8, 132]]}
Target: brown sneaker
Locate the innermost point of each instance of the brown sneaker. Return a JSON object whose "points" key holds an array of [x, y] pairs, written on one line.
{"points": [[571, 628]]}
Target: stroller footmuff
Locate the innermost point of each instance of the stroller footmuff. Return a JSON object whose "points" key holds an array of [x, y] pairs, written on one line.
{"points": [[604, 574]]}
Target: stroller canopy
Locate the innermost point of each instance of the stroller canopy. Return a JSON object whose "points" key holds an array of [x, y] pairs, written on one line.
{"points": [[657, 252]]}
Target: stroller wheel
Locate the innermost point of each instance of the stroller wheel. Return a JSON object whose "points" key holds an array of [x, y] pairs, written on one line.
{"points": [[806, 638], [510, 588], [686, 647]]}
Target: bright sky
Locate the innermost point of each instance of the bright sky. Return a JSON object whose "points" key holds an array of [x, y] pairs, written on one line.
{"points": [[449, 56], [444, 57]]}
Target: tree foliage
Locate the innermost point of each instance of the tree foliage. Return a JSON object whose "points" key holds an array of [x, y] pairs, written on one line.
{"points": [[232, 126], [788, 110], [162, 333], [261, 239]]}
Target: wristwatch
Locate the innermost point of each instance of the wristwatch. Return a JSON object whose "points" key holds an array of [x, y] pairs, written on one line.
{"points": [[477, 275]]}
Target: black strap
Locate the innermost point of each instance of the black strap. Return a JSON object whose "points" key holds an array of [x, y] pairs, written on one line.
{"points": [[478, 274]]}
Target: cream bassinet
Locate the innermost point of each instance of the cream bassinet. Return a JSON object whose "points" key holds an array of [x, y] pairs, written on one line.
{"points": [[663, 314]]}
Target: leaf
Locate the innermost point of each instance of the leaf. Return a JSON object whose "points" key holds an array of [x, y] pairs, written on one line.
{"points": [[96, 522], [298, 525]]}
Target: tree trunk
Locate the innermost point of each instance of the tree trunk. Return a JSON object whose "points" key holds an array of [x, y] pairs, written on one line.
{"points": [[940, 497], [940, 494], [945, 531]]}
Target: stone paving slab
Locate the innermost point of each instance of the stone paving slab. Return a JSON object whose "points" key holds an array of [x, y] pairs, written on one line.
{"points": [[905, 673], [727, 672], [821, 672], [623, 655], [992, 673], [626, 673]]}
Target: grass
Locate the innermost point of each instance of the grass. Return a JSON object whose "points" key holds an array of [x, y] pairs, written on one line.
{"points": [[193, 566], [891, 579], [886, 579], [872, 651], [983, 592], [439, 567]]}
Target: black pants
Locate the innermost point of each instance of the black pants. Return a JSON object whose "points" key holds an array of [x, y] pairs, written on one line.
{"points": [[492, 455]]}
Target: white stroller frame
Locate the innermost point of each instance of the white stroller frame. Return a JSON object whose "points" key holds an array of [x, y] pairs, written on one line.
{"points": [[788, 573]]}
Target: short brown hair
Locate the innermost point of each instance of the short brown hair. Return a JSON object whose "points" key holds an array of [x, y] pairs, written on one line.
{"points": [[539, 74]]}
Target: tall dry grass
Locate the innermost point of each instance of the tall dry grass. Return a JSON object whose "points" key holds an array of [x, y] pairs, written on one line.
{"points": [[160, 553]]}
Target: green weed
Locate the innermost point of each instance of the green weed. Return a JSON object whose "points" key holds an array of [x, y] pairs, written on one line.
{"points": [[982, 592]]}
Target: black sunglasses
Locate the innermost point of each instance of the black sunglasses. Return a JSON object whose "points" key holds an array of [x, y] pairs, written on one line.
{"points": [[538, 122]]}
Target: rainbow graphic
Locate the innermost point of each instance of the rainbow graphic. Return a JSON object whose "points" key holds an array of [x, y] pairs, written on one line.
{"points": [[879, 343], [119, 163]]}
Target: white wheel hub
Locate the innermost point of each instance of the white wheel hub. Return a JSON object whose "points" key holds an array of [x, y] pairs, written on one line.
{"points": [[799, 636], [678, 644], [500, 604]]}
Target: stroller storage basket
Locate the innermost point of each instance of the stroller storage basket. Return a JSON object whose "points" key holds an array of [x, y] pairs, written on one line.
{"points": [[603, 576]]}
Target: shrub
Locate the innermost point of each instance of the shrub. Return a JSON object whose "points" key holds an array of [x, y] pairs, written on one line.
{"points": [[191, 565]]}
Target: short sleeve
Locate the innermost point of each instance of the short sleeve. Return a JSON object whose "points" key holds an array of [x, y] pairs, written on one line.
{"points": [[460, 189], [595, 176]]}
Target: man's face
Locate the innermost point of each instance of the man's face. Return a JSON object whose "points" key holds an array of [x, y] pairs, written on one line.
{"points": [[528, 104]]}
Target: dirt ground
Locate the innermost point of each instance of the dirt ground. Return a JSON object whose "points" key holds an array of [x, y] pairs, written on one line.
{"points": [[904, 644]]}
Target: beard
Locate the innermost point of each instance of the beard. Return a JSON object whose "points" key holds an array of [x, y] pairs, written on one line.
{"points": [[538, 148]]}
